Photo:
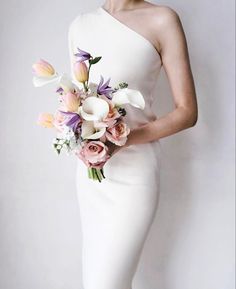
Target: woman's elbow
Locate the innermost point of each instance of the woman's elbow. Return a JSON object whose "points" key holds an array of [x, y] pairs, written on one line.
{"points": [[189, 116], [192, 117]]}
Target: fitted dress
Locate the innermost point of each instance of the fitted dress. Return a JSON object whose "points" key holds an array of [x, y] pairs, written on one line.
{"points": [[116, 214]]}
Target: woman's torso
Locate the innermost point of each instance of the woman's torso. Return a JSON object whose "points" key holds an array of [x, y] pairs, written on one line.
{"points": [[126, 57]]}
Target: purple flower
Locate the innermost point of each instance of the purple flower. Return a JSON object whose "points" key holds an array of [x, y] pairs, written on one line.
{"points": [[60, 90], [82, 55], [73, 121], [104, 88]]}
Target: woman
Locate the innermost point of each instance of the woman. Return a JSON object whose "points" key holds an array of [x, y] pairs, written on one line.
{"points": [[135, 39]]}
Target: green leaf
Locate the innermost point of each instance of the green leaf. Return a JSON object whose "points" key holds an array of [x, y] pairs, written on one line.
{"points": [[94, 60], [123, 84]]}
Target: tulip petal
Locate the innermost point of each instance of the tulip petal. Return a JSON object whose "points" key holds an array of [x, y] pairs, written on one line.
{"points": [[127, 95], [46, 120], [43, 68], [94, 108], [80, 70], [66, 83], [43, 80]]}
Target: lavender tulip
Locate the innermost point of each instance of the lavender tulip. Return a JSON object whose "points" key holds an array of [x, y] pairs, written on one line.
{"points": [[82, 55], [104, 88], [73, 121]]}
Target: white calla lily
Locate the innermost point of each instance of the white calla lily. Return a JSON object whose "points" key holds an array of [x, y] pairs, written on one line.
{"points": [[66, 83], [127, 95], [91, 131], [94, 108], [43, 80]]}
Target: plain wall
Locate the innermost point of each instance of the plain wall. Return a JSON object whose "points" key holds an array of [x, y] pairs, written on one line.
{"points": [[191, 242]]}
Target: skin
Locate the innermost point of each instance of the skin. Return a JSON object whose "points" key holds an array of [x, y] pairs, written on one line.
{"points": [[162, 26]]}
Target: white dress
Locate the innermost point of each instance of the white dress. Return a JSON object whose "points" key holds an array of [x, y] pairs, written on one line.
{"points": [[117, 213]]}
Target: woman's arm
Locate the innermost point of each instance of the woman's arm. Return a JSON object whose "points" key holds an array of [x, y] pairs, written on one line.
{"points": [[175, 59]]}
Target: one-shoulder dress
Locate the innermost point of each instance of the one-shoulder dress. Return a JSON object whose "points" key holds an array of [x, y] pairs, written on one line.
{"points": [[116, 214]]}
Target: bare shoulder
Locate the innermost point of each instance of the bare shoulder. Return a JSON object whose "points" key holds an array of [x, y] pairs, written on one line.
{"points": [[163, 15], [164, 24]]}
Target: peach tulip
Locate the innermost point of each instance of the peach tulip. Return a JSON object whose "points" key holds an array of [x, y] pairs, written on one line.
{"points": [[81, 71], [46, 120], [59, 121], [43, 69], [44, 73], [71, 101]]}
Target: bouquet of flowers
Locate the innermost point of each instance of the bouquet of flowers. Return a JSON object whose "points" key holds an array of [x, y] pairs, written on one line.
{"points": [[90, 115]]}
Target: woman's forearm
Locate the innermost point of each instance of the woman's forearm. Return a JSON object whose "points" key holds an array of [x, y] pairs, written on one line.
{"points": [[173, 122]]}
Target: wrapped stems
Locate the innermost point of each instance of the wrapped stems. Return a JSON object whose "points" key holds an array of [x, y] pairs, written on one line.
{"points": [[96, 174]]}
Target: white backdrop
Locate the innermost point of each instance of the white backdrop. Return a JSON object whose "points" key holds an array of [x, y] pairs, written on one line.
{"points": [[191, 243]]}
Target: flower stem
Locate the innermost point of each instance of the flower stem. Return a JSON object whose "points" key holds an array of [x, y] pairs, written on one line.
{"points": [[98, 171], [85, 87], [88, 72], [96, 174], [90, 173], [102, 173]]}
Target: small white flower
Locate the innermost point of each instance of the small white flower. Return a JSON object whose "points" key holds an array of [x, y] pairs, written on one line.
{"points": [[92, 89], [73, 143], [66, 133]]}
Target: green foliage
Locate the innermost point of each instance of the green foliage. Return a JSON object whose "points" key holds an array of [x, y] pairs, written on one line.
{"points": [[94, 60]]}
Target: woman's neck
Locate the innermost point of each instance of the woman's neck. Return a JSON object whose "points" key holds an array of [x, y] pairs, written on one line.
{"points": [[117, 5]]}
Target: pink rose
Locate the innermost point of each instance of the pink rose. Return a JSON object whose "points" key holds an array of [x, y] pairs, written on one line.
{"points": [[94, 154], [112, 116], [117, 134]]}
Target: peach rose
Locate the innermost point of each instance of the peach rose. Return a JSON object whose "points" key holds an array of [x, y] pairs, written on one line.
{"points": [[112, 116], [94, 154], [117, 134]]}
